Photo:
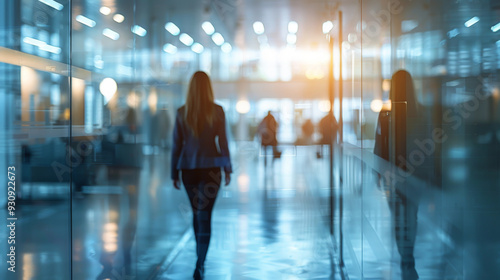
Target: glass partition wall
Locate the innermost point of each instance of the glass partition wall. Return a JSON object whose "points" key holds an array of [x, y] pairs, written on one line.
{"points": [[420, 151], [127, 108], [35, 102], [87, 111]]}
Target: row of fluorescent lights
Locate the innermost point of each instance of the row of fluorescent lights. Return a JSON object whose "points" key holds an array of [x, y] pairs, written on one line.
{"points": [[259, 29], [111, 34], [53, 4], [291, 38], [208, 27], [41, 44], [140, 31], [189, 41], [217, 38], [119, 18], [474, 20], [328, 26], [183, 37], [470, 22]]}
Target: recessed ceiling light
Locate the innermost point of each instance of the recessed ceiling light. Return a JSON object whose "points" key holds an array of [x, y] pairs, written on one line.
{"points": [[258, 28], [85, 21], [495, 27], [51, 3], [169, 48], [42, 45], [197, 48], [113, 35], [226, 47], [293, 27], [34, 42], [172, 28], [327, 26], [471, 22], [208, 28], [138, 30], [186, 39], [118, 18], [105, 10], [218, 39]]}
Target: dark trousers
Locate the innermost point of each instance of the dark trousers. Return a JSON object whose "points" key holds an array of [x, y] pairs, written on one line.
{"points": [[405, 213], [202, 186]]}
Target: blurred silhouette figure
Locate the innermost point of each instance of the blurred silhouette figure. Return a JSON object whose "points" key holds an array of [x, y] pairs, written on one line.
{"points": [[307, 133], [153, 128], [404, 208], [163, 126], [159, 128], [131, 120], [268, 129], [328, 129], [199, 123]]}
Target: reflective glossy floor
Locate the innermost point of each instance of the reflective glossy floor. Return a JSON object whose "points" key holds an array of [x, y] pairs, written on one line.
{"points": [[271, 222], [267, 225], [132, 224]]}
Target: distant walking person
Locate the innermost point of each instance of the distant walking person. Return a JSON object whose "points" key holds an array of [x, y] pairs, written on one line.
{"points": [[267, 130], [328, 129], [307, 133], [197, 156]]}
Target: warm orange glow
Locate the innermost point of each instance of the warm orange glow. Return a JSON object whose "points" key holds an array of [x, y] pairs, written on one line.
{"points": [[496, 94], [30, 88], [110, 227], [110, 237], [67, 114], [376, 105], [153, 100], [118, 18], [113, 215], [386, 85], [316, 61], [28, 266], [324, 106], [314, 74], [77, 99], [133, 100], [110, 247], [313, 56], [30, 81], [105, 10], [243, 106], [387, 105]]}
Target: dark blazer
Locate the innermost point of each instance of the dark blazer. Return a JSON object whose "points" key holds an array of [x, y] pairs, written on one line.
{"points": [[209, 149]]}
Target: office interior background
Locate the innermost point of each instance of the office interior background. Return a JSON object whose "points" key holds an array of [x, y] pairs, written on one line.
{"points": [[88, 95]]}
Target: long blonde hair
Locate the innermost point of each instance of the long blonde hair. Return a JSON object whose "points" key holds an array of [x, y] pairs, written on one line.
{"points": [[199, 103]]}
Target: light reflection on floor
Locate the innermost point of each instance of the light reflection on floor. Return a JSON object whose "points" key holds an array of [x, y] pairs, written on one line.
{"points": [[271, 230], [267, 225]]}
